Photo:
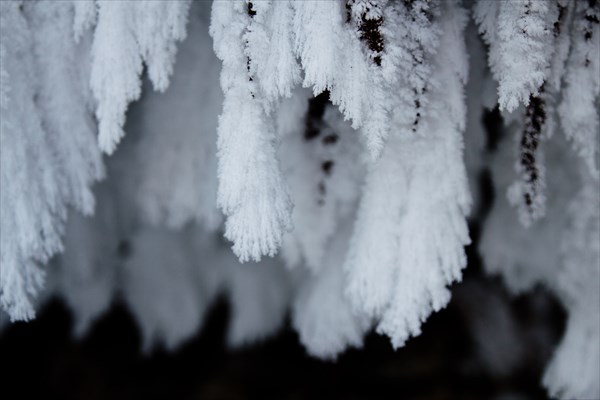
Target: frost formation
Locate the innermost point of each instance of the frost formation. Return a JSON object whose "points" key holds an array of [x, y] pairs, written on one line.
{"points": [[328, 135]]}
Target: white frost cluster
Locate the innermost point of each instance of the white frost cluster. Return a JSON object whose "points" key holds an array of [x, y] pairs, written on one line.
{"points": [[410, 231], [535, 46], [578, 108], [129, 34], [519, 33], [561, 250], [330, 132], [48, 154]]}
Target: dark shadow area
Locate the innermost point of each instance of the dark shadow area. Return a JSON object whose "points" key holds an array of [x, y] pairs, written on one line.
{"points": [[41, 360]]}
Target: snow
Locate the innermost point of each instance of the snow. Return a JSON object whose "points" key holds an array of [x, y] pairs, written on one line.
{"points": [[331, 143]]}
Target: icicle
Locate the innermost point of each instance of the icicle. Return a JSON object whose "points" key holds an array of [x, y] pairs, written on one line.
{"points": [[116, 70], [317, 41], [562, 43], [65, 107], [521, 46], [522, 38], [528, 192], [410, 232], [49, 158], [251, 190], [368, 19], [158, 26], [129, 33], [270, 51], [578, 109], [377, 53], [332, 58]]}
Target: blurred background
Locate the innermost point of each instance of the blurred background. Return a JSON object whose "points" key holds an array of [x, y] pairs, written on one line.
{"points": [[484, 345]]}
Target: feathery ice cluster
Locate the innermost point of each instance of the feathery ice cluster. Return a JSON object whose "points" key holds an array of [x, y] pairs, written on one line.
{"points": [[533, 46], [559, 46], [330, 132], [49, 154]]}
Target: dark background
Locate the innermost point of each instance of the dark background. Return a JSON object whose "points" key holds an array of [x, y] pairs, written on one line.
{"points": [[40, 360]]}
